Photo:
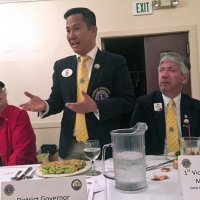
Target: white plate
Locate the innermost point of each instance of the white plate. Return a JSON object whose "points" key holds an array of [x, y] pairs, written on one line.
{"points": [[86, 168]]}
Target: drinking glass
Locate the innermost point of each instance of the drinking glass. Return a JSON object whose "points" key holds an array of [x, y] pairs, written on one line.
{"points": [[190, 145], [92, 151]]}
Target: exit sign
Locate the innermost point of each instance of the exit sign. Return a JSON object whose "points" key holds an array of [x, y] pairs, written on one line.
{"points": [[142, 7]]}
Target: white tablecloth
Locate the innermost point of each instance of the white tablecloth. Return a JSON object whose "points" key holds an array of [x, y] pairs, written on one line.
{"points": [[168, 189], [157, 190]]}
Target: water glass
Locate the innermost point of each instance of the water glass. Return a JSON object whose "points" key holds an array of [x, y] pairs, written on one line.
{"points": [[92, 151], [190, 145]]}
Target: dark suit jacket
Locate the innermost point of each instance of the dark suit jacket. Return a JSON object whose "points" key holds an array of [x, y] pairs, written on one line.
{"points": [[110, 86], [155, 120]]}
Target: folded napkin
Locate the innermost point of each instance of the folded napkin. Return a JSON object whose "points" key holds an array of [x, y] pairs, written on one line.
{"points": [[93, 187], [90, 188]]}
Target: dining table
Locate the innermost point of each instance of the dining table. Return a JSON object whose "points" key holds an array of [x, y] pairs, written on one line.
{"points": [[104, 189]]}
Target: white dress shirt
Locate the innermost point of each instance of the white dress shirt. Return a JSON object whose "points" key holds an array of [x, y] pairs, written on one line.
{"points": [[89, 64]]}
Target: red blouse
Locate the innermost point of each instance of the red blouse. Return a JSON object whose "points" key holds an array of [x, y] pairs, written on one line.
{"points": [[17, 138]]}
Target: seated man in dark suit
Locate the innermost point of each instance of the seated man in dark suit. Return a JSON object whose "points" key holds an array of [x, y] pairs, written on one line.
{"points": [[173, 74]]}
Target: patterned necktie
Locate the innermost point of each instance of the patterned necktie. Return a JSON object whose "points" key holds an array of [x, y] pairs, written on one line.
{"points": [[171, 128], [82, 85]]}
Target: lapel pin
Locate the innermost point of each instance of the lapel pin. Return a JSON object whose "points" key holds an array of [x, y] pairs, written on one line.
{"points": [[186, 121], [67, 72], [96, 66], [157, 107]]}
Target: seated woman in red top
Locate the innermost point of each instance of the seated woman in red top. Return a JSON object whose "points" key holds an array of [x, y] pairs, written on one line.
{"points": [[17, 138]]}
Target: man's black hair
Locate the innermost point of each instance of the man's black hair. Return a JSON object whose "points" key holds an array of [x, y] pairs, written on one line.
{"points": [[88, 16], [2, 85]]}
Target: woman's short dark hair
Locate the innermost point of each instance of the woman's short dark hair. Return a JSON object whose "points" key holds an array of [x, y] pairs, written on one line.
{"points": [[88, 16]]}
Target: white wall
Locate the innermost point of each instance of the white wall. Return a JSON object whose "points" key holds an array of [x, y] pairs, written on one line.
{"points": [[32, 37]]}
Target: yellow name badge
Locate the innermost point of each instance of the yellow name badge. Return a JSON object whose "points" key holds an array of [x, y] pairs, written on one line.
{"points": [[62, 188], [189, 176]]}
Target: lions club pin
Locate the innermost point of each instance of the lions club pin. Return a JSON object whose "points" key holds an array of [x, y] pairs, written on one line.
{"points": [[67, 72]]}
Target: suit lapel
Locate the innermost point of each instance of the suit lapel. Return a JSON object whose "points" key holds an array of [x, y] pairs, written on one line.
{"points": [[186, 109], [71, 82], [160, 115], [96, 69]]}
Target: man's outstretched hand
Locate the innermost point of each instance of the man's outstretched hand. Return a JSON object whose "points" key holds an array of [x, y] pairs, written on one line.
{"points": [[85, 106], [36, 104]]}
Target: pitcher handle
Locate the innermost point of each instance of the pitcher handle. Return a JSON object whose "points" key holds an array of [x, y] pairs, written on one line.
{"points": [[103, 161]]}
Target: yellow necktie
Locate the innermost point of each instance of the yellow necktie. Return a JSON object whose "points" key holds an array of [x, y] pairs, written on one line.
{"points": [[171, 128], [82, 85]]}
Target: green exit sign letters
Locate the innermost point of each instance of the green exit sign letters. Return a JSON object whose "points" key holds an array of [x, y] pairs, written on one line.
{"points": [[140, 7]]}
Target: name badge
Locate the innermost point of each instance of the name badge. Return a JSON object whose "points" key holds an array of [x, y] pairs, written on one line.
{"points": [[62, 188], [157, 107], [189, 175]]}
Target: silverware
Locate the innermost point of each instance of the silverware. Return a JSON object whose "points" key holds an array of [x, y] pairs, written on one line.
{"points": [[159, 165], [31, 175], [15, 177], [24, 174]]}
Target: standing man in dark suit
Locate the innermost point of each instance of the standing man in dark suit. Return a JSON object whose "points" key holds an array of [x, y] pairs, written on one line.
{"points": [[109, 94], [173, 73]]}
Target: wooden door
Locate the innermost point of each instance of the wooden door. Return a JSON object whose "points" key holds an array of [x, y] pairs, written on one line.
{"points": [[153, 46]]}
